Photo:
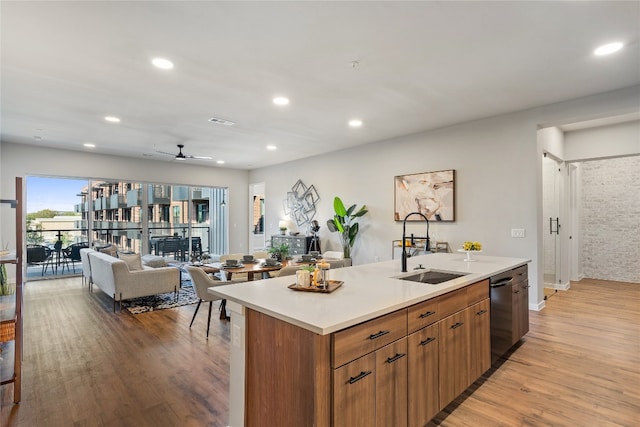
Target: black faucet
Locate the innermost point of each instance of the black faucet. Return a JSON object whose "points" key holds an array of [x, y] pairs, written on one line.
{"points": [[404, 244]]}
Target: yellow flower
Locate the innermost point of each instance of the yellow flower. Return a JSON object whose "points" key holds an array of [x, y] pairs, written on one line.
{"points": [[472, 246]]}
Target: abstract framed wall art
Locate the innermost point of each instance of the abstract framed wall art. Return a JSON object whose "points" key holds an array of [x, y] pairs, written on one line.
{"points": [[430, 193]]}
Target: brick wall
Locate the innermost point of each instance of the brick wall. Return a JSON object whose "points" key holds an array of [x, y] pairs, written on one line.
{"points": [[610, 214]]}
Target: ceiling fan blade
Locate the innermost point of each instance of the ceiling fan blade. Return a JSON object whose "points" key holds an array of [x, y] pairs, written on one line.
{"points": [[164, 152], [199, 157]]}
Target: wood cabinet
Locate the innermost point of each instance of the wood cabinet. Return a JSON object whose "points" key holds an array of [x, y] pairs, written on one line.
{"points": [[364, 338], [11, 306], [453, 373], [465, 342], [354, 393], [480, 347], [372, 390], [423, 401], [391, 384], [399, 369], [520, 304]]}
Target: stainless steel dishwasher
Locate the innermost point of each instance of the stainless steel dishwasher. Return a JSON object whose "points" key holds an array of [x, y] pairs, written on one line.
{"points": [[509, 310]]}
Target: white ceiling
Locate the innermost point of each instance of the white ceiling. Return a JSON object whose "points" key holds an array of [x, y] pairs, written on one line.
{"points": [[421, 65]]}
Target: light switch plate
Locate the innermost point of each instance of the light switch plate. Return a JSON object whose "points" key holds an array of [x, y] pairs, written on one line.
{"points": [[517, 232]]}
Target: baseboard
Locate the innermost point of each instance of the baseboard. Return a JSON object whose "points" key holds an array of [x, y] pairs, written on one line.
{"points": [[537, 307], [564, 286]]}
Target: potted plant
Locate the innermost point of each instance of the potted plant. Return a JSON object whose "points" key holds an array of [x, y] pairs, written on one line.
{"points": [[279, 252], [282, 225], [344, 222]]}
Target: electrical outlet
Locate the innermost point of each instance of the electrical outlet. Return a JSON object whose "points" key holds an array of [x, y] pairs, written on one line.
{"points": [[517, 232], [376, 258]]}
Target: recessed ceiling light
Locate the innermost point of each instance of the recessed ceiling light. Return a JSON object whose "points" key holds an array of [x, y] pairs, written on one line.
{"points": [[355, 123], [163, 63], [89, 145], [112, 119], [281, 100], [37, 137], [607, 49], [271, 147], [220, 162]]}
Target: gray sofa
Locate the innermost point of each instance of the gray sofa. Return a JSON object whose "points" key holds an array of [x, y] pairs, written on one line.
{"points": [[125, 280]]}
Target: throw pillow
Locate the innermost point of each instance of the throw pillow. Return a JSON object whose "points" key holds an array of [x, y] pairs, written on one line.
{"points": [[132, 260], [110, 250], [154, 261]]}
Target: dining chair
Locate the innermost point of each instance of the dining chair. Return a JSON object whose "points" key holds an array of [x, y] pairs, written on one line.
{"points": [[261, 254], [289, 270], [236, 277], [201, 281]]}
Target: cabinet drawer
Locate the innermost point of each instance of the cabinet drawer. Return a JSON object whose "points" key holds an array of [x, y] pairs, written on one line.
{"points": [[452, 302], [520, 274], [358, 340], [422, 314], [477, 292]]}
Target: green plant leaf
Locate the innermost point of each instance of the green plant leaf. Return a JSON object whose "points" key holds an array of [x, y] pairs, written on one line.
{"points": [[363, 210], [353, 232], [331, 225], [350, 210], [338, 207]]}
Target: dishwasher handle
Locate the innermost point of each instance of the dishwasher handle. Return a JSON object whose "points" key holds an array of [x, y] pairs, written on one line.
{"points": [[502, 283]]}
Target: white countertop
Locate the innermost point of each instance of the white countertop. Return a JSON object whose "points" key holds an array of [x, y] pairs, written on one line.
{"points": [[369, 290]]}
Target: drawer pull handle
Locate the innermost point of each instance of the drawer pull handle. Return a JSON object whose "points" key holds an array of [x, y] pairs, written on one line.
{"points": [[427, 314], [428, 340], [378, 335], [396, 357], [457, 325], [481, 312], [360, 376]]}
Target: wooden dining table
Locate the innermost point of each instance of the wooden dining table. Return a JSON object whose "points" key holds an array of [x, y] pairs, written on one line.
{"points": [[250, 268]]}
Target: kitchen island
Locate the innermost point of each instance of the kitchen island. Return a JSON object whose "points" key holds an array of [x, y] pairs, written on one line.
{"points": [[290, 350]]}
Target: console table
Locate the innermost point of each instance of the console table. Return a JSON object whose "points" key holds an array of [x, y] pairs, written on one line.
{"points": [[298, 245]]}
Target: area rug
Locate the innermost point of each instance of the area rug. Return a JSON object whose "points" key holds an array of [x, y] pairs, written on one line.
{"points": [[161, 301]]}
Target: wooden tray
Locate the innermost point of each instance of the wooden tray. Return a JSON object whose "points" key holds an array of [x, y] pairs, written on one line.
{"points": [[333, 285]]}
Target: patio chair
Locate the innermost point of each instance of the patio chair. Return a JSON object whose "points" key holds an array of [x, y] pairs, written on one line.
{"points": [[57, 258], [38, 255], [201, 281], [72, 253]]}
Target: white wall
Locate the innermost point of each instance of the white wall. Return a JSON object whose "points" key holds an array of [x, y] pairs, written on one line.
{"points": [[552, 140], [620, 139], [23, 160], [498, 181]]}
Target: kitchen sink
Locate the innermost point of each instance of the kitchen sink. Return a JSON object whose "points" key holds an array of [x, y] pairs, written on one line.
{"points": [[432, 277]]}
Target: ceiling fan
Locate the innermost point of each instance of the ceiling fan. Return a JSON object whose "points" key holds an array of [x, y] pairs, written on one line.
{"points": [[182, 156]]}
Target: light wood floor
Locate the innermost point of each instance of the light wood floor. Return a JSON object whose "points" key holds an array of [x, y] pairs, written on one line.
{"points": [[86, 366]]}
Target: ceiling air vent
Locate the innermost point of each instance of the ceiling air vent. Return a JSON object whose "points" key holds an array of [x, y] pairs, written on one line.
{"points": [[221, 121]]}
